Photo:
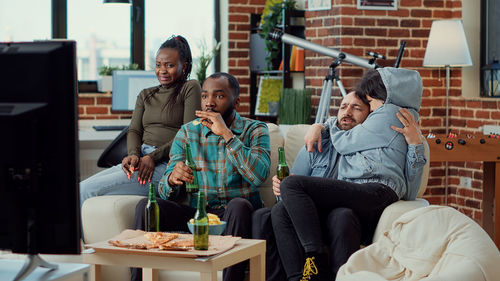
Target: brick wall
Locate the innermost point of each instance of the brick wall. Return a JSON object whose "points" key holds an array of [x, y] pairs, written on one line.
{"points": [[98, 106], [357, 31]]}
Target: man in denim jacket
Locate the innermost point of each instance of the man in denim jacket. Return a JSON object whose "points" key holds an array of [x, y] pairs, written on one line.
{"points": [[370, 162], [320, 163]]}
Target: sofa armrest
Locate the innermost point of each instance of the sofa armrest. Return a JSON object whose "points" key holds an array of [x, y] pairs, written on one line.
{"points": [[106, 216], [394, 211]]}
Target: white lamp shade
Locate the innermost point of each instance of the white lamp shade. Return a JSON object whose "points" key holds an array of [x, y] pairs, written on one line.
{"points": [[447, 45]]}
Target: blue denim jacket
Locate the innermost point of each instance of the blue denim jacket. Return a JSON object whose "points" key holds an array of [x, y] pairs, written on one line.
{"points": [[321, 164], [372, 151]]}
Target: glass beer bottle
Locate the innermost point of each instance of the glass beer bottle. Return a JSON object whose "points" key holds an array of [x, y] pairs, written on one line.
{"points": [[282, 170], [152, 214], [200, 233], [191, 187]]}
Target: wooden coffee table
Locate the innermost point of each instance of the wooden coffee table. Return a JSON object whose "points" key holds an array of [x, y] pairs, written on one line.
{"points": [[244, 249]]}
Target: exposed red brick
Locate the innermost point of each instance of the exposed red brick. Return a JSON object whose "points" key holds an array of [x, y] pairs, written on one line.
{"points": [[86, 101], [238, 36], [410, 3], [444, 14], [489, 104], [367, 42], [419, 13], [365, 22], [398, 33], [103, 101], [352, 31], [409, 23], [434, 3], [239, 18], [96, 110]]}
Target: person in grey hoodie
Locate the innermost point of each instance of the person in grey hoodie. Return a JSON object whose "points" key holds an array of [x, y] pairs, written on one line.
{"points": [[371, 173]]}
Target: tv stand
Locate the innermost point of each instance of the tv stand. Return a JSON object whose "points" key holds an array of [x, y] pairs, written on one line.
{"points": [[32, 262]]}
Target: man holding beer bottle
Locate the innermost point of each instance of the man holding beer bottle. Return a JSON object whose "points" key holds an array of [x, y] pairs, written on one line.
{"points": [[322, 163], [232, 157]]}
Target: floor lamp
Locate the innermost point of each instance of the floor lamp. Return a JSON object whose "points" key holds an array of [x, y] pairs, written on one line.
{"points": [[447, 47]]}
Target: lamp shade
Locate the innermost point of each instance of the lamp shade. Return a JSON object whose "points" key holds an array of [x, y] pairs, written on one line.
{"points": [[447, 45], [117, 2]]}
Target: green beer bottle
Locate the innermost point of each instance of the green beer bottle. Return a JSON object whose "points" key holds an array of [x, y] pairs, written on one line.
{"points": [[191, 187], [282, 170], [200, 233], [152, 213]]}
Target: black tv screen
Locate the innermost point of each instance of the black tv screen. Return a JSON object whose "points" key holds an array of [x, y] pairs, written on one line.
{"points": [[39, 167]]}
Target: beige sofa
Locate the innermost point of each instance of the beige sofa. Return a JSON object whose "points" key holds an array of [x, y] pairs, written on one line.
{"points": [[106, 216]]}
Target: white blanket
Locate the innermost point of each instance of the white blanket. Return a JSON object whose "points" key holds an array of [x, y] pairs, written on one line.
{"points": [[431, 243]]}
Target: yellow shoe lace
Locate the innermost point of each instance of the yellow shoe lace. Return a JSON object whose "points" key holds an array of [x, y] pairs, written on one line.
{"points": [[309, 269]]}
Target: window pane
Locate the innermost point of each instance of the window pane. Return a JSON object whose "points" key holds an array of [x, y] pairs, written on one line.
{"points": [[193, 19], [102, 33], [25, 20], [493, 47]]}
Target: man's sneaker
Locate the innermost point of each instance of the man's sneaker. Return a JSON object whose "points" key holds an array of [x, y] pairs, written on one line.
{"points": [[309, 269]]}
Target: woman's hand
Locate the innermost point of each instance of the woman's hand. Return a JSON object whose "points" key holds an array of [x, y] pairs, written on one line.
{"points": [[129, 164], [146, 169], [411, 129], [313, 136]]}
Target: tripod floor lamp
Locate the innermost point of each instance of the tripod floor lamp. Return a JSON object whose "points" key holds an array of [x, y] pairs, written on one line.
{"points": [[447, 47]]}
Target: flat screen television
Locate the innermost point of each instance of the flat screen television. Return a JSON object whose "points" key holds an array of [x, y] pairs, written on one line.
{"points": [[39, 167]]}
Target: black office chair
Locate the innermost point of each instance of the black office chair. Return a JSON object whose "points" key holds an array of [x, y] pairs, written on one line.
{"points": [[115, 152]]}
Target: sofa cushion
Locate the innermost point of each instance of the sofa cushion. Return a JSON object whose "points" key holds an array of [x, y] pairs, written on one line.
{"points": [[276, 139], [294, 141]]}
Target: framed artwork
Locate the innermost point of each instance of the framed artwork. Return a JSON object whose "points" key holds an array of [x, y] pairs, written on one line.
{"points": [[377, 4], [318, 5], [268, 96]]}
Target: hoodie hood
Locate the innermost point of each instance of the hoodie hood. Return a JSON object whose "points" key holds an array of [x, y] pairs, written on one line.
{"points": [[404, 87]]}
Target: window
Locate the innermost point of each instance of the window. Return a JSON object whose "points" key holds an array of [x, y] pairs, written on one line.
{"points": [[102, 33], [164, 18], [490, 50], [25, 20]]}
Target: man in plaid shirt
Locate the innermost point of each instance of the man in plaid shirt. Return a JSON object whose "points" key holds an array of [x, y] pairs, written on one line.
{"points": [[232, 157]]}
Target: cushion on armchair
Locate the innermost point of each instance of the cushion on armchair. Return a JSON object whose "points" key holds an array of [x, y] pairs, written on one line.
{"points": [[431, 243]]}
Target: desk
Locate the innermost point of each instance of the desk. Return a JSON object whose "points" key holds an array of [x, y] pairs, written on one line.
{"points": [[92, 143], [254, 250], [489, 154], [66, 271]]}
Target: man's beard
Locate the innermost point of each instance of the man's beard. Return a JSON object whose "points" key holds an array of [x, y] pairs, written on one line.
{"points": [[347, 126], [229, 111]]}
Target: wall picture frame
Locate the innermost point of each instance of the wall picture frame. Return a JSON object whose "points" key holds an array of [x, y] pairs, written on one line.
{"points": [[268, 96], [377, 5]]}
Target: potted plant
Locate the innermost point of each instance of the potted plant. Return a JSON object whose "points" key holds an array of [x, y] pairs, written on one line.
{"points": [[105, 82], [272, 18], [204, 60]]}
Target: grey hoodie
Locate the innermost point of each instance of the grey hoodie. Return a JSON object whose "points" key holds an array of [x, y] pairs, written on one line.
{"points": [[372, 151]]}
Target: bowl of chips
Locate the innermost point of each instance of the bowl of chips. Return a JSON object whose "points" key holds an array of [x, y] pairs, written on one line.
{"points": [[215, 225]]}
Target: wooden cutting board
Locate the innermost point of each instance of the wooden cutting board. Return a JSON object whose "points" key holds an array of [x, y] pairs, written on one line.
{"points": [[217, 244]]}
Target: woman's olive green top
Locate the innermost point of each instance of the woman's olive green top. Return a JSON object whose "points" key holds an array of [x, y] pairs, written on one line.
{"points": [[155, 123]]}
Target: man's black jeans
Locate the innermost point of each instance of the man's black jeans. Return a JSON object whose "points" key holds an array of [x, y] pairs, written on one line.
{"points": [[307, 201]]}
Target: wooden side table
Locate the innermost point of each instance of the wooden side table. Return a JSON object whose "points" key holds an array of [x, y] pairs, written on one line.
{"points": [[245, 249]]}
